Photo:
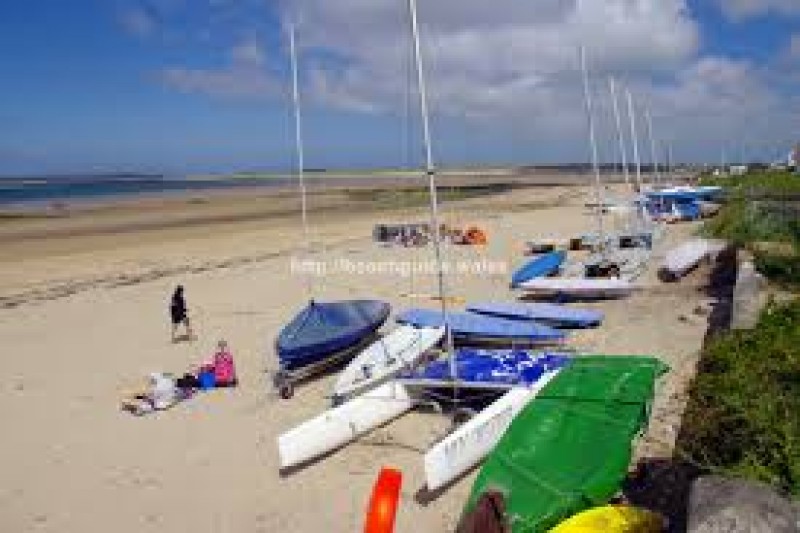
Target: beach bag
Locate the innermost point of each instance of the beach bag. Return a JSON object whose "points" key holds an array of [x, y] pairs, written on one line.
{"points": [[224, 369], [163, 392], [206, 379]]}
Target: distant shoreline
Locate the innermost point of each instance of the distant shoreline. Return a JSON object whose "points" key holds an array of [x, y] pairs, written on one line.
{"points": [[54, 195]]}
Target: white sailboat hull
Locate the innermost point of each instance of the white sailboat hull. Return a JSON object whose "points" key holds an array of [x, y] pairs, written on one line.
{"points": [[338, 426], [679, 261], [579, 287], [385, 358], [470, 443]]}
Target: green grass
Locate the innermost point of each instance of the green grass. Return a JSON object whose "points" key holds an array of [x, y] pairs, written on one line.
{"points": [[772, 181], [781, 269], [749, 220], [743, 415], [744, 222]]}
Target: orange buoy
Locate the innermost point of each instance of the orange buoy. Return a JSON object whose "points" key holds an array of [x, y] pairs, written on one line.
{"points": [[383, 503]]}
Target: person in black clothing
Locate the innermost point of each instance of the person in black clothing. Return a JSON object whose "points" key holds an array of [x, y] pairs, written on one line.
{"points": [[178, 313]]}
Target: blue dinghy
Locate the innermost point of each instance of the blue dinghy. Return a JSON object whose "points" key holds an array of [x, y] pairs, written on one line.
{"points": [[540, 266], [324, 329], [472, 326], [480, 369], [559, 316]]}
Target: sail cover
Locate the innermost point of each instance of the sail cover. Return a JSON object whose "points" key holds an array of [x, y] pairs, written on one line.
{"points": [[322, 329], [570, 448], [472, 325], [560, 316]]}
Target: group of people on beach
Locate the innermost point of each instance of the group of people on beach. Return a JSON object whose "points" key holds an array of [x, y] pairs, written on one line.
{"points": [[163, 389]]}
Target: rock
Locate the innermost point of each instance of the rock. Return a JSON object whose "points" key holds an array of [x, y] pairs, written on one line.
{"points": [[749, 297], [722, 505]]}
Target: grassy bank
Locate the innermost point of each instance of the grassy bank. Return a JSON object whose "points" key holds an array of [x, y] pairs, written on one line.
{"points": [[744, 404], [742, 417], [762, 214]]}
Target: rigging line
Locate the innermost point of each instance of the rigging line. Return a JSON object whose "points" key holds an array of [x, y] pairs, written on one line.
{"points": [[599, 195], [623, 153], [300, 154], [653, 154], [634, 139], [431, 172]]}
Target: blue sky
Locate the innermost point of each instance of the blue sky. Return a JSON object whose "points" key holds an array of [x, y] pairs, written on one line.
{"points": [[201, 85]]}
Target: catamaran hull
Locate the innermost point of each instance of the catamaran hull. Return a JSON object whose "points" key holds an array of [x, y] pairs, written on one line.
{"points": [[385, 358], [338, 426], [470, 443]]}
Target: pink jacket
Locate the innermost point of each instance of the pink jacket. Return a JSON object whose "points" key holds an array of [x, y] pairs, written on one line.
{"points": [[224, 369]]}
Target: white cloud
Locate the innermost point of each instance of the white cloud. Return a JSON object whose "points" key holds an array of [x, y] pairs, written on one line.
{"points": [[511, 66], [244, 76], [488, 60], [739, 10]]}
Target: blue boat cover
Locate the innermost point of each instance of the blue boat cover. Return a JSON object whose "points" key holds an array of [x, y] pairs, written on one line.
{"points": [[501, 367], [322, 329], [552, 314], [481, 326], [540, 266]]}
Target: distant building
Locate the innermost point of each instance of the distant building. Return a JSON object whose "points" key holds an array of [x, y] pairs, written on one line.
{"points": [[794, 157], [738, 170]]}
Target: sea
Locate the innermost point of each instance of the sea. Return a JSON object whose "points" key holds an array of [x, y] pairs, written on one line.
{"points": [[45, 191]]}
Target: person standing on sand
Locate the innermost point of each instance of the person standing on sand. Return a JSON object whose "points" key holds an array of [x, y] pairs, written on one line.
{"points": [[178, 313]]}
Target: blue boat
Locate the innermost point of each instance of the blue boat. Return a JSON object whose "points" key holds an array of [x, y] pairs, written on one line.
{"points": [[540, 266], [558, 316], [475, 327], [322, 333], [677, 204], [485, 370]]}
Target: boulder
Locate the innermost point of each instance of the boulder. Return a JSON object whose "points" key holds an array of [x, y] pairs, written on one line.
{"points": [[722, 505]]}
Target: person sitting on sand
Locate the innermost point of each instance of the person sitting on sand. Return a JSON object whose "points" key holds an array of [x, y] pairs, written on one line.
{"points": [[224, 369], [179, 314]]}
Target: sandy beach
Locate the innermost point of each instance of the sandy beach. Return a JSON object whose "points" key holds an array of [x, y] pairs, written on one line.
{"points": [[83, 313]]}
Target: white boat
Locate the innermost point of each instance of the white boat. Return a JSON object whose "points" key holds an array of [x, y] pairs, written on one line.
{"points": [[594, 288], [340, 425], [681, 260], [383, 359], [470, 443]]}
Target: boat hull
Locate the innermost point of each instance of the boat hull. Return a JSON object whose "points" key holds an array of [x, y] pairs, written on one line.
{"points": [[471, 326], [542, 266], [578, 288], [386, 357], [555, 315], [469, 444], [340, 425]]}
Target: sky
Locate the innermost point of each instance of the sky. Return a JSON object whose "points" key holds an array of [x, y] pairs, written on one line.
{"points": [[188, 86]]}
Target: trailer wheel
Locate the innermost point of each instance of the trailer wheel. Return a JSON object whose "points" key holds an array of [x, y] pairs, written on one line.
{"points": [[283, 385], [286, 390], [462, 415]]}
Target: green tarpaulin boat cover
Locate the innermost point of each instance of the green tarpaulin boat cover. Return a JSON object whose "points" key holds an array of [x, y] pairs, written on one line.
{"points": [[570, 448]]}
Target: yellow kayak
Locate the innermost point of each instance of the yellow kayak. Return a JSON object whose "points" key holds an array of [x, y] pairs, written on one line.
{"points": [[612, 519]]}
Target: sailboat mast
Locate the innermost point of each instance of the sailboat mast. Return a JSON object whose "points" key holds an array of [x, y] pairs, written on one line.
{"points": [[653, 154], [599, 196], [430, 170], [634, 139], [299, 153], [612, 86]]}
